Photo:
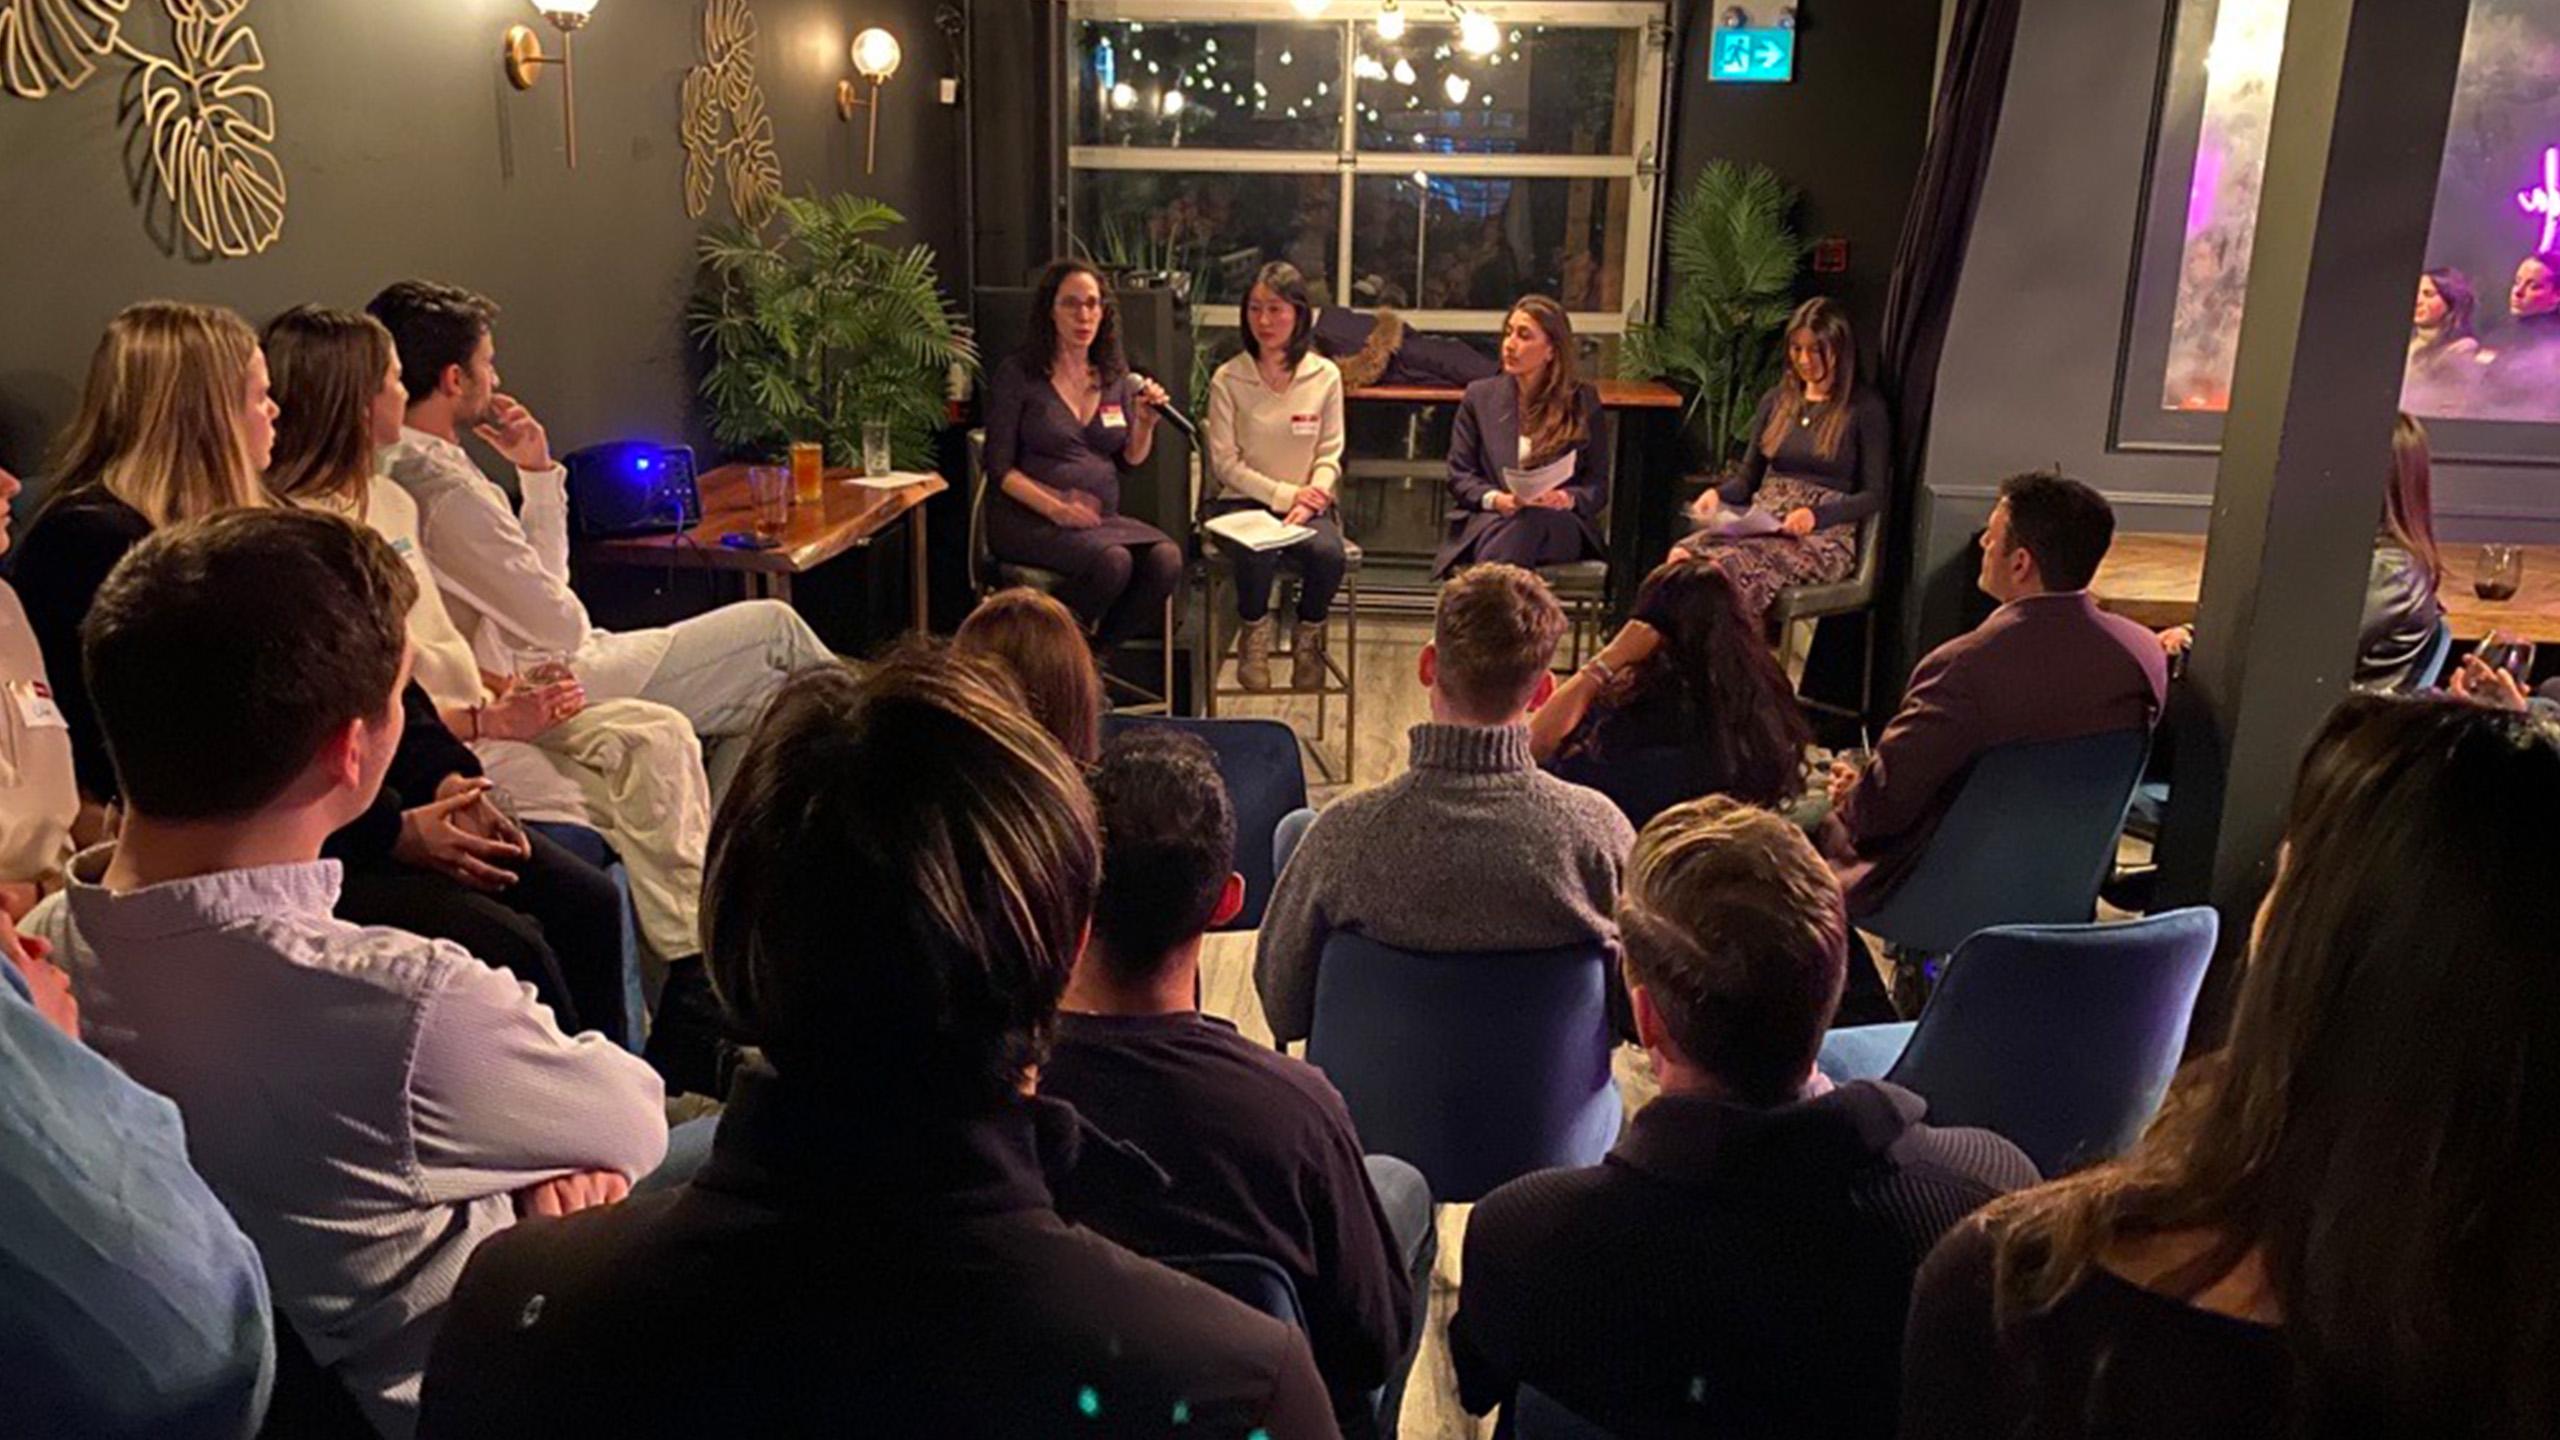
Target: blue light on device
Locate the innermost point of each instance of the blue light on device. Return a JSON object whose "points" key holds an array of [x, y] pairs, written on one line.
{"points": [[1747, 56], [644, 463]]}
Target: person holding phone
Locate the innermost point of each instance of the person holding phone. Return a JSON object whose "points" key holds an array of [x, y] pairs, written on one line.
{"points": [[1064, 418], [1275, 441], [1537, 413]]}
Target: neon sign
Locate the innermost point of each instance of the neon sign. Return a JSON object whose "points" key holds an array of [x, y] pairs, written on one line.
{"points": [[2544, 200]]}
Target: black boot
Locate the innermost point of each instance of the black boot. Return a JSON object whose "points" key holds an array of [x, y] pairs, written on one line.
{"points": [[688, 1041]]}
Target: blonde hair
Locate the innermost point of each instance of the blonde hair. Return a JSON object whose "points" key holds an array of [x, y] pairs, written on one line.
{"points": [[159, 421], [1495, 629]]}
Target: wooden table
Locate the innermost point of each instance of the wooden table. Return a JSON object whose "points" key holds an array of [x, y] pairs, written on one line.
{"points": [[848, 517], [2154, 579], [1638, 527]]}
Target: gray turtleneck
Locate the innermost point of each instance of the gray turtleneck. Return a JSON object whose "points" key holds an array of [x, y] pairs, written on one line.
{"points": [[1472, 848]]}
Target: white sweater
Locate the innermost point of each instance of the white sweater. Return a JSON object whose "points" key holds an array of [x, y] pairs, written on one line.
{"points": [[1265, 444]]}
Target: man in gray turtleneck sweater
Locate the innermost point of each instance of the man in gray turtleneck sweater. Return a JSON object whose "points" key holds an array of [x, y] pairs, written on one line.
{"points": [[1473, 848]]}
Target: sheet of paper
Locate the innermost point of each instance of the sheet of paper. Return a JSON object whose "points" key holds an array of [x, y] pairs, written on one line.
{"points": [[1734, 524], [1530, 484], [894, 480], [1256, 530]]}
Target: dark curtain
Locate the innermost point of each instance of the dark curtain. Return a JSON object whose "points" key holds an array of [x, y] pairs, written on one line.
{"points": [[1926, 264]]}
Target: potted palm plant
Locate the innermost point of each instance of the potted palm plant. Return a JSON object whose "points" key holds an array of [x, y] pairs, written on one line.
{"points": [[818, 328], [1734, 261]]}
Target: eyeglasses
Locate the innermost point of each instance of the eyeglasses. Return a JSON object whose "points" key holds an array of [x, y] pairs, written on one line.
{"points": [[1080, 304]]}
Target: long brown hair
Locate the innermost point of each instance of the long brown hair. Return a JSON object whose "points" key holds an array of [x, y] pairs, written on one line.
{"points": [[159, 420], [1828, 324], [326, 367], [1727, 684], [1551, 403], [2409, 509], [2382, 1131], [1040, 337], [1037, 640]]}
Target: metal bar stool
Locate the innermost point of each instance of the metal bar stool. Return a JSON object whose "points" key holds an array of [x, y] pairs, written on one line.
{"points": [[1341, 663], [987, 574]]}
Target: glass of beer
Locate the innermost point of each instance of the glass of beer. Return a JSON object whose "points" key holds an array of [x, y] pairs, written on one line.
{"points": [[808, 471], [769, 489]]}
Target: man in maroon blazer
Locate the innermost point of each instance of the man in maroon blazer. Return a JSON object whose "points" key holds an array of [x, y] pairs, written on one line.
{"points": [[2047, 665]]}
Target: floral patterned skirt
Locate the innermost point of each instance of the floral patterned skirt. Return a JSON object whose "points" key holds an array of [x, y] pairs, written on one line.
{"points": [[1763, 565]]}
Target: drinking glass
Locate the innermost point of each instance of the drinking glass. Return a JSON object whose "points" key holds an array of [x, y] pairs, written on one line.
{"points": [[2501, 572], [808, 472], [769, 488], [543, 667], [876, 459], [2506, 650]]}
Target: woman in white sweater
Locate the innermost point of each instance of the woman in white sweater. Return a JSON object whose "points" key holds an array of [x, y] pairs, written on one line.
{"points": [[631, 769], [1275, 441]]}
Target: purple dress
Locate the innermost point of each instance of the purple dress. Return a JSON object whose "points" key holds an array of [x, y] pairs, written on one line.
{"points": [[1029, 428]]}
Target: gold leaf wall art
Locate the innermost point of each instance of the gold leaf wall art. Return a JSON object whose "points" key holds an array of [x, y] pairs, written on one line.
{"points": [[205, 128], [725, 123]]}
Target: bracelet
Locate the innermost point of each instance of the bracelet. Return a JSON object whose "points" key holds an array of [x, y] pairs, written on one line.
{"points": [[1608, 672], [475, 723]]}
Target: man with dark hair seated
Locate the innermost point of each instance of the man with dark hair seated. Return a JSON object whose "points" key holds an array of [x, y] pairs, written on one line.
{"points": [[2048, 665], [896, 890], [1741, 1262], [1262, 1152], [370, 1105]]}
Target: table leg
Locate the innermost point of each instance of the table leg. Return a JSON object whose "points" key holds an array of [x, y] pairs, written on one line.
{"points": [[917, 598]]}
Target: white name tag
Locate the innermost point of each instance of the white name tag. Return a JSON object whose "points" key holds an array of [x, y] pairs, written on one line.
{"points": [[35, 705], [1302, 424], [1113, 419]]}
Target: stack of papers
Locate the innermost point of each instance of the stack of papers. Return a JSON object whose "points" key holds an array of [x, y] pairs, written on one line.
{"points": [[894, 480], [1256, 530], [1530, 484]]}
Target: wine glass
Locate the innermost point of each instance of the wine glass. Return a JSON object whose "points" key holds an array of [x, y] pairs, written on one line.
{"points": [[2500, 574], [2506, 650]]}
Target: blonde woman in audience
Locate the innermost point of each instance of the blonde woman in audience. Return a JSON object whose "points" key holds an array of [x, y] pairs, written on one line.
{"points": [[2347, 1221], [632, 769], [177, 423], [1036, 639], [39, 804], [1275, 442]]}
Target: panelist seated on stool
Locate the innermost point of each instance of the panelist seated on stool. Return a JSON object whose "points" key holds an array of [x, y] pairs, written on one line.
{"points": [[1275, 439], [1536, 414]]}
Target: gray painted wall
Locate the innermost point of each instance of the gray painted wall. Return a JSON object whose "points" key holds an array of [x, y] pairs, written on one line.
{"points": [[2030, 369], [407, 153]]}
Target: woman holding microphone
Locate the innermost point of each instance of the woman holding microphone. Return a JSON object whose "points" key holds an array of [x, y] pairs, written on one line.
{"points": [[1064, 418], [1535, 415], [1275, 441]]}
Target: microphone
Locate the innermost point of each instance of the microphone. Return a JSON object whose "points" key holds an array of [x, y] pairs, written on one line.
{"points": [[1169, 413]]}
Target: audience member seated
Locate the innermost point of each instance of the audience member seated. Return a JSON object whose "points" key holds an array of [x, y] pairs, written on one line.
{"points": [[1536, 414], [1035, 639], [370, 1105], [505, 574], [1820, 462], [1064, 417], [630, 769], [134, 1306], [898, 885], [1275, 443], [1684, 702], [1262, 1153], [2341, 1223], [176, 423], [2400, 605], [1741, 1263], [39, 803], [2047, 665], [1472, 849]]}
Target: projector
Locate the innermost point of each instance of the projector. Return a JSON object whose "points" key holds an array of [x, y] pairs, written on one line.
{"points": [[632, 487]]}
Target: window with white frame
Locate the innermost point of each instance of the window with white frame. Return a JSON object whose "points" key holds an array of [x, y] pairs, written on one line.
{"points": [[1437, 157]]}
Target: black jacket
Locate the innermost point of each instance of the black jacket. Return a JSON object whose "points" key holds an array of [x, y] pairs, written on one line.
{"points": [[1727, 1270], [840, 1269]]}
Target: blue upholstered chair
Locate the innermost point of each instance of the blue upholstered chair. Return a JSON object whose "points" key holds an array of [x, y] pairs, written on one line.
{"points": [[2061, 1037], [1266, 779], [2027, 842], [1477, 1068], [1285, 837]]}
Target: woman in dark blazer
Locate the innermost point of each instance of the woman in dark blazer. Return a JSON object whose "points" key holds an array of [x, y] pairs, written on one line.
{"points": [[1537, 411], [1064, 418]]}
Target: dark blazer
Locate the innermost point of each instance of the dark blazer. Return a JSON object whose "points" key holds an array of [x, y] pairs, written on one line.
{"points": [[841, 1267], [1485, 441], [2049, 667], [1727, 1270]]}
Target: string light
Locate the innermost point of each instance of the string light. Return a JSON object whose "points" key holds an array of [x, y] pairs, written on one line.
{"points": [[1477, 34], [1124, 96], [1456, 87], [1403, 71], [1173, 102], [1390, 21]]}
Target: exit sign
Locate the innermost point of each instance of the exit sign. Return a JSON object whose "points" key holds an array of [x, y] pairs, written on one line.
{"points": [[1752, 57]]}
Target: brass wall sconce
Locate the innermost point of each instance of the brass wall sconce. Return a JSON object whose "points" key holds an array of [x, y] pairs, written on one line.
{"points": [[875, 58], [521, 51]]}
